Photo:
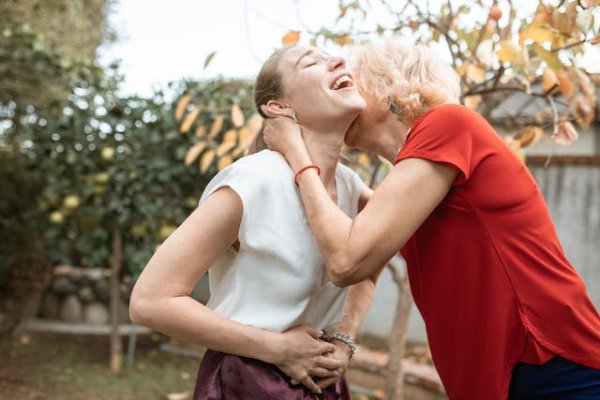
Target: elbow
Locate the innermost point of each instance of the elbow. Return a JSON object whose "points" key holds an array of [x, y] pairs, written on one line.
{"points": [[341, 275], [140, 309]]}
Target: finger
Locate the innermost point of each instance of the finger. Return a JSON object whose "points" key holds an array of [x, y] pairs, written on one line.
{"points": [[294, 381], [324, 372], [328, 362], [326, 347], [311, 385], [326, 382], [312, 332]]}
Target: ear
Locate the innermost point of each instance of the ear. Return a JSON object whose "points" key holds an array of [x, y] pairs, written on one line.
{"points": [[275, 108]]}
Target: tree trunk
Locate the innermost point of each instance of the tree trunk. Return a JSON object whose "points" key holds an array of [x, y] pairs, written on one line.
{"points": [[397, 346], [116, 347]]}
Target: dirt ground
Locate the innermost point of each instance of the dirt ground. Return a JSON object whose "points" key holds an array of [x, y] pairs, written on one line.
{"points": [[66, 367]]}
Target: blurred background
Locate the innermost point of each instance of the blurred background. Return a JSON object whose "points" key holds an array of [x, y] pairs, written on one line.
{"points": [[114, 114]]}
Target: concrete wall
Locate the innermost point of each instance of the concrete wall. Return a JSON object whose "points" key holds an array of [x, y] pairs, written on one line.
{"points": [[573, 197]]}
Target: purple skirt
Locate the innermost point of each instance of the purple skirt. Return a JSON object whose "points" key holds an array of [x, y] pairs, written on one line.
{"points": [[227, 377]]}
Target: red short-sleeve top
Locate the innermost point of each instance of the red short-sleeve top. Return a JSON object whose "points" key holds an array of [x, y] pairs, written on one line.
{"points": [[486, 268]]}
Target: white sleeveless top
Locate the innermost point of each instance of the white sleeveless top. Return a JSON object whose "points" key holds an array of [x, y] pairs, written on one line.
{"points": [[277, 279]]}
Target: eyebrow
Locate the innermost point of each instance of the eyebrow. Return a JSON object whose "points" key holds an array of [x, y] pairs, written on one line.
{"points": [[306, 53]]}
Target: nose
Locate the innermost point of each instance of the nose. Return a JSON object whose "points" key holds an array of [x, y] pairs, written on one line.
{"points": [[336, 62]]}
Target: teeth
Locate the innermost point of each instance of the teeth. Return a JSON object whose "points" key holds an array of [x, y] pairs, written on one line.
{"points": [[344, 78]]}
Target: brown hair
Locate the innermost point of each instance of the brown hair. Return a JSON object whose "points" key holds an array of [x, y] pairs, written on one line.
{"points": [[268, 86]]}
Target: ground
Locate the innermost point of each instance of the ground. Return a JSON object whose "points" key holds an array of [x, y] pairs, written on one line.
{"points": [[66, 367]]}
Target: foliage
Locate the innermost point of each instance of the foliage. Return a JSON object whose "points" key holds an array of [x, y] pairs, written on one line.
{"points": [[113, 161], [41, 44], [496, 51]]}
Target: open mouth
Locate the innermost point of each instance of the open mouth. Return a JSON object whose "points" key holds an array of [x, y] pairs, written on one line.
{"points": [[342, 82]]}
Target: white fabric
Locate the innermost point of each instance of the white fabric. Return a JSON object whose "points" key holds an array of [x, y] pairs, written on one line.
{"points": [[277, 279]]}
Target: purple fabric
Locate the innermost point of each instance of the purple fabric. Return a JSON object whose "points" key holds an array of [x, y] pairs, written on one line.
{"points": [[227, 377]]}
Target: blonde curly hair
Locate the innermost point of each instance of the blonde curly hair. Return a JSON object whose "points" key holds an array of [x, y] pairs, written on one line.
{"points": [[406, 79]]}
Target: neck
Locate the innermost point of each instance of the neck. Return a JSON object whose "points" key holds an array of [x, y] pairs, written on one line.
{"points": [[324, 150], [390, 138]]}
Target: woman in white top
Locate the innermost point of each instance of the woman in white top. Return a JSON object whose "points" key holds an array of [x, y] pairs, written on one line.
{"points": [[270, 292]]}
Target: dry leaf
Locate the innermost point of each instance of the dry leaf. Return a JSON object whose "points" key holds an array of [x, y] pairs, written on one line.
{"points": [[363, 160], [194, 151], [206, 160], [291, 37], [584, 111], [178, 396], [200, 132], [473, 101], [216, 126], [495, 12], [224, 162], [230, 136], [566, 134], [254, 123], [549, 79], [189, 120], [181, 106], [237, 117], [528, 136], [565, 85], [209, 58], [538, 33]]}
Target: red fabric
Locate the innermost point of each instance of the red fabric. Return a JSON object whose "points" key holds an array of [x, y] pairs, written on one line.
{"points": [[486, 268]]}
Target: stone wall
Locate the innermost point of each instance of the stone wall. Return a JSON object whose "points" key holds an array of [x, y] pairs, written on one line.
{"points": [[82, 295]]}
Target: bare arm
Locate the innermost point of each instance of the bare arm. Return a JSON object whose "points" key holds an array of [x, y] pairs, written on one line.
{"points": [[161, 297], [359, 248]]}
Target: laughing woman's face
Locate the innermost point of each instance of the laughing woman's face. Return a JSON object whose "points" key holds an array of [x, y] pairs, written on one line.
{"points": [[319, 87]]}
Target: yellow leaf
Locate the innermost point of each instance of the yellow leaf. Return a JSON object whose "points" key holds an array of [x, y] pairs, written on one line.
{"points": [[549, 79], [565, 85], [473, 101], [245, 135], [363, 160], [538, 33], [507, 52], [224, 148], [475, 73], [181, 106], [216, 126], [528, 136], [343, 40], [230, 136], [237, 117], [224, 162], [209, 58], [206, 160], [595, 40], [239, 150], [201, 131], [189, 120], [291, 37], [194, 151], [254, 123]]}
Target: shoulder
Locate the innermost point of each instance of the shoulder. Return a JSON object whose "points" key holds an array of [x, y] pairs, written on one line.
{"points": [[450, 116], [252, 174]]}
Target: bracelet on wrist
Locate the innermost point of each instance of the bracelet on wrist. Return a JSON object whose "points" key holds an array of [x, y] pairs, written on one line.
{"points": [[344, 338], [307, 167]]}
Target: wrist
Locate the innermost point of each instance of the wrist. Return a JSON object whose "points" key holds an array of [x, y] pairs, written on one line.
{"points": [[275, 348]]}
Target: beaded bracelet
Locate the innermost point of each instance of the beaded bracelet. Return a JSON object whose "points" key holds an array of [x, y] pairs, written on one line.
{"points": [[342, 337]]}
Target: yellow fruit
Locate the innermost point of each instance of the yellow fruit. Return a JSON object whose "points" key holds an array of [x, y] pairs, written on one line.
{"points": [[71, 202], [165, 231], [107, 153], [102, 177], [56, 217]]}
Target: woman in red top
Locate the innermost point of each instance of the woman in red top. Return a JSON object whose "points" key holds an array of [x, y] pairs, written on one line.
{"points": [[506, 313]]}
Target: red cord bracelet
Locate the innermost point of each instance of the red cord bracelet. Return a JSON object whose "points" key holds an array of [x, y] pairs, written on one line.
{"points": [[301, 170]]}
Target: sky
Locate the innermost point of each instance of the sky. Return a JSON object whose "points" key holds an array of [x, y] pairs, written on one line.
{"points": [[159, 41]]}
